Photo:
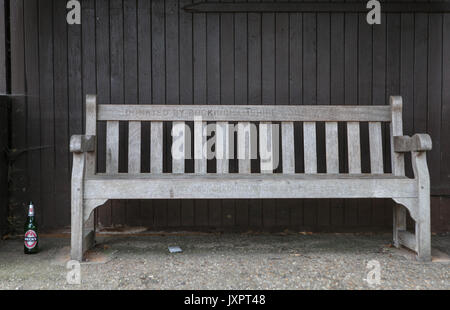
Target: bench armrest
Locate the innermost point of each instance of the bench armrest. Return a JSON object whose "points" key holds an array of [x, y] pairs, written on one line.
{"points": [[82, 144], [417, 143]]}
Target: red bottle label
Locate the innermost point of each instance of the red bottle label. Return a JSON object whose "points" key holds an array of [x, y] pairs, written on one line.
{"points": [[30, 239]]}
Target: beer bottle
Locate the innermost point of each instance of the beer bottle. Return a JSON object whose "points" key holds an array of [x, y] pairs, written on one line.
{"points": [[31, 237]]}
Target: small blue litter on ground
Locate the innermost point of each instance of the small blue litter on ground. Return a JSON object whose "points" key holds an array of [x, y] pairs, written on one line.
{"points": [[175, 249]]}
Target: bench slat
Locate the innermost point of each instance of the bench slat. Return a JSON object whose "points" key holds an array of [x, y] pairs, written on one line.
{"points": [[91, 130], [266, 147], [310, 148], [178, 133], [231, 113], [222, 146], [288, 150], [156, 145], [332, 147], [248, 187], [244, 147], [199, 141], [354, 147], [376, 147], [112, 147], [134, 147]]}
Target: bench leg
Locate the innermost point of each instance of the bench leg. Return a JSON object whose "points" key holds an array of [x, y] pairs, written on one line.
{"points": [[419, 208], [82, 231], [399, 223], [423, 230], [82, 234]]}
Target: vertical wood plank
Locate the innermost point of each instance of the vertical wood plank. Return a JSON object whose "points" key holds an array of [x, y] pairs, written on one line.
{"points": [[186, 50], [209, 88], [445, 143], [323, 98], [171, 49], [397, 163], [62, 179], [332, 147], [159, 91], [309, 147], [295, 98], [288, 151], [241, 91], [117, 94], [179, 131], [4, 134], [46, 102], [309, 66], [18, 129], [103, 85], [134, 147], [222, 146], [434, 86], [266, 147], [227, 91], [199, 142], [156, 147], [337, 97], [144, 49], [112, 147], [244, 147], [354, 147], [254, 95], [376, 148]]}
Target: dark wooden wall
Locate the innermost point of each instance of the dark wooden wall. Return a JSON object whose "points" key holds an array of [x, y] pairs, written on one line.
{"points": [[4, 120], [154, 52]]}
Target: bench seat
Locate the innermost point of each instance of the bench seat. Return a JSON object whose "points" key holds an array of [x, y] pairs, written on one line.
{"points": [[247, 186]]}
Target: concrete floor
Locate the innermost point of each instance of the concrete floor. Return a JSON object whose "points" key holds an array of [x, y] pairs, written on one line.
{"points": [[227, 261]]}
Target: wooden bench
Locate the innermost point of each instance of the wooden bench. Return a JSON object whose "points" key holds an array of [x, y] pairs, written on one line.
{"points": [[91, 189]]}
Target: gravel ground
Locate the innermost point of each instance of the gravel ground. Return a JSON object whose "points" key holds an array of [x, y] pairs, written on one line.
{"points": [[228, 261]]}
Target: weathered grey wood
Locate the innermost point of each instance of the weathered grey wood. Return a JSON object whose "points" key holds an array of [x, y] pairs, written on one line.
{"points": [[309, 146], [134, 147], [354, 147], [407, 239], [332, 147], [199, 146], [416, 143], [156, 147], [77, 193], [89, 190], [288, 148], [244, 137], [227, 113], [239, 186], [397, 163], [82, 143], [91, 130], [222, 147], [266, 147], [376, 147], [423, 225], [180, 132], [112, 147]]}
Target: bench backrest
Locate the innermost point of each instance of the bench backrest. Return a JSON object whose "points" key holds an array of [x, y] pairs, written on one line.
{"points": [[267, 119]]}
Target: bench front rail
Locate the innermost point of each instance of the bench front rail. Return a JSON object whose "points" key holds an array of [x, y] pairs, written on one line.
{"points": [[91, 189]]}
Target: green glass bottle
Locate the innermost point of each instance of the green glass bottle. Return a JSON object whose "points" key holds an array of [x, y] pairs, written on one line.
{"points": [[31, 240]]}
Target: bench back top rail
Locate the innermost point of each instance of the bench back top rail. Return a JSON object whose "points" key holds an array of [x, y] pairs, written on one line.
{"points": [[247, 113], [271, 122]]}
